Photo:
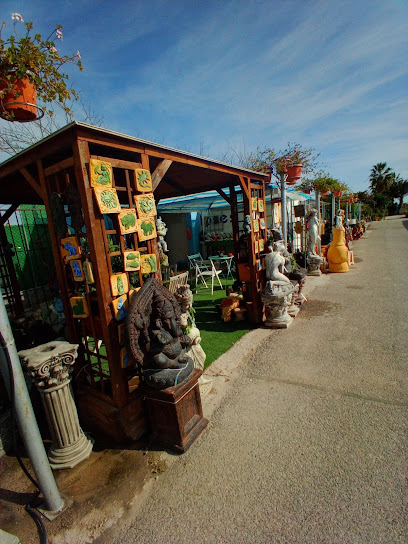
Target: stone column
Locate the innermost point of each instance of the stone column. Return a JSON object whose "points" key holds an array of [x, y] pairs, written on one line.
{"points": [[50, 365]]}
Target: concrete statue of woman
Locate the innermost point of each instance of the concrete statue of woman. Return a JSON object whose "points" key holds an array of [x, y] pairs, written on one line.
{"points": [[313, 232]]}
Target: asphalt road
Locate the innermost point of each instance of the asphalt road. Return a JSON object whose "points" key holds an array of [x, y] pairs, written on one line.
{"points": [[310, 442]]}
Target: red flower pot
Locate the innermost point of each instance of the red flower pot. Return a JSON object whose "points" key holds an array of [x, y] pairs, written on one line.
{"points": [[337, 194], [294, 172], [22, 107], [324, 193]]}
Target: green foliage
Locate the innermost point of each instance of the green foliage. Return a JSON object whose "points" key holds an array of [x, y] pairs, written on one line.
{"points": [[385, 186], [322, 181], [39, 60]]}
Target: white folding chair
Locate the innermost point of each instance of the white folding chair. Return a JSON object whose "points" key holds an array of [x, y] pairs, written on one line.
{"points": [[205, 269], [176, 281]]}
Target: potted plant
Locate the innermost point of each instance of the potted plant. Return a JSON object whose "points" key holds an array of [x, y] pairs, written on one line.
{"points": [[291, 164], [30, 70], [323, 183]]}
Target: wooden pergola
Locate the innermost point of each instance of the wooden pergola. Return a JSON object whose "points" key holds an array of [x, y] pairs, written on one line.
{"points": [[56, 172]]}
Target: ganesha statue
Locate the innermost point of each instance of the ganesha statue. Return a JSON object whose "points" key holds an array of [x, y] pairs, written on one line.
{"points": [[156, 340]]}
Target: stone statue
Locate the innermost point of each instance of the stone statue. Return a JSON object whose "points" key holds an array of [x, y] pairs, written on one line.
{"points": [[338, 224], [185, 298], [162, 229], [274, 264], [155, 338], [313, 232], [247, 224]]}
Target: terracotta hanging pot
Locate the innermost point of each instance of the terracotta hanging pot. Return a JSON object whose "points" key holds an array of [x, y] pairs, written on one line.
{"points": [[324, 193], [294, 172], [22, 107], [337, 194]]}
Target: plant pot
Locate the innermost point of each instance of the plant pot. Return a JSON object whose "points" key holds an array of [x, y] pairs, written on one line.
{"points": [[337, 194], [22, 107], [324, 194], [294, 172]]}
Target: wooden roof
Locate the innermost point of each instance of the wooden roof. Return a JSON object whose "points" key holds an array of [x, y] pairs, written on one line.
{"points": [[187, 174]]}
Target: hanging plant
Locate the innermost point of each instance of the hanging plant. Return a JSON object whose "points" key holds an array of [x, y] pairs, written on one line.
{"points": [[30, 71]]}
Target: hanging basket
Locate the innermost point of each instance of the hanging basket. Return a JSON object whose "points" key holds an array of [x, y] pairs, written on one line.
{"points": [[294, 172], [324, 194], [20, 104], [337, 194]]}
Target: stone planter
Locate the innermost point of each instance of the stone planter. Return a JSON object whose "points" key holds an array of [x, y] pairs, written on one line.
{"points": [[277, 300], [50, 365], [314, 263]]}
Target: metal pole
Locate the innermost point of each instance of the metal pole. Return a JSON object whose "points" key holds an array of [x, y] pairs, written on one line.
{"points": [[25, 416], [319, 218], [283, 205], [333, 205]]}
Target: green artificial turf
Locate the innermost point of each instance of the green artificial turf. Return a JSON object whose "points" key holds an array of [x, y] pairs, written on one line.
{"points": [[216, 336]]}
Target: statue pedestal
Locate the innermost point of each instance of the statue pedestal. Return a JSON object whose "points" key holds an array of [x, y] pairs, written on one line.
{"points": [[277, 302], [175, 414], [313, 265], [50, 365]]}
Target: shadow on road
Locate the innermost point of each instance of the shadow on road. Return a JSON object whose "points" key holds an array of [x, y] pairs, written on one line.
{"points": [[405, 224]]}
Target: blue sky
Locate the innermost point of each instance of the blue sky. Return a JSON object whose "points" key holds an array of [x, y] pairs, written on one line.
{"points": [[217, 77]]}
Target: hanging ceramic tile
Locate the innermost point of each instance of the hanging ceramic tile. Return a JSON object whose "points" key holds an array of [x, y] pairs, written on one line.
{"points": [[261, 245], [71, 248], [262, 223], [107, 199], [256, 225], [148, 263], [100, 173], [77, 271], [261, 205], [79, 307], [256, 246], [254, 204], [127, 221], [143, 180], [88, 271], [132, 260], [146, 228], [145, 204], [120, 307], [119, 284]]}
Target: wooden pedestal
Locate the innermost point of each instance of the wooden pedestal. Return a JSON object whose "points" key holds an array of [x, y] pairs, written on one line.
{"points": [[175, 414]]}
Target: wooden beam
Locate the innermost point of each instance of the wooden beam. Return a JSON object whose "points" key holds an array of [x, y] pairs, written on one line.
{"points": [[244, 182], [118, 163], [62, 165], [33, 182], [160, 171], [224, 196], [8, 214]]}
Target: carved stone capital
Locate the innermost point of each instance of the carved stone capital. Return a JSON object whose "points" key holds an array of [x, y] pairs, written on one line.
{"points": [[50, 364]]}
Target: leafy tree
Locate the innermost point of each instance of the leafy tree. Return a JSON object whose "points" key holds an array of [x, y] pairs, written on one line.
{"points": [[270, 160]]}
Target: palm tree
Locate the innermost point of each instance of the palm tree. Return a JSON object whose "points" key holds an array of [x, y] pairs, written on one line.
{"points": [[381, 178], [398, 189]]}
